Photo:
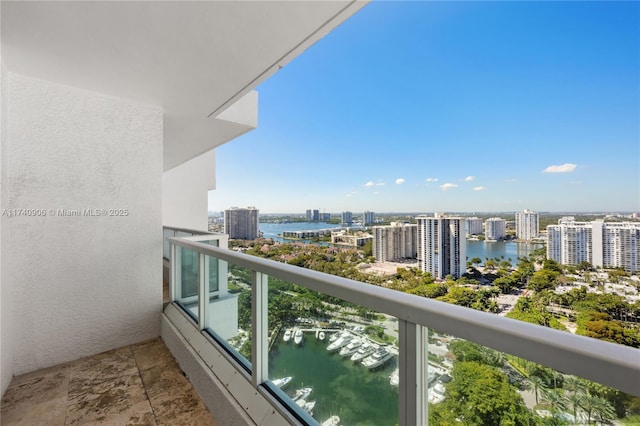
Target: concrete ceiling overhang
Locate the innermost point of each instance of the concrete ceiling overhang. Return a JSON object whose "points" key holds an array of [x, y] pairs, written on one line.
{"points": [[198, 60]]}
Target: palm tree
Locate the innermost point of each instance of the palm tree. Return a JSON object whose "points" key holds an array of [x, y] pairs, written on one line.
{"points": [[537, 383], [603, 410], [574, 400], [554, 399], [589, 401]]}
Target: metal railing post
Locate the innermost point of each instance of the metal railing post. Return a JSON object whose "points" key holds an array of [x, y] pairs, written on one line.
{"points": [[411, 374], [203, 297], [260, 329]]}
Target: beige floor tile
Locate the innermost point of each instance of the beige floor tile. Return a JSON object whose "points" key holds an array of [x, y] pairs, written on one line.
{"points": [[173, 399], [117, 387], [119, 401], [38, 401], [151, 354]]}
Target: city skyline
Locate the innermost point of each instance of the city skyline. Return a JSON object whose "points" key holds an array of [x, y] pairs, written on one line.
{"points": [[453, 107]]}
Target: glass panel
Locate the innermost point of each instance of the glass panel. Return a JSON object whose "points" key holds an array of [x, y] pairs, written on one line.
{"points": [[229, 310], [474, 385], [213, 267], [181, 234], [331, 357], [188, 276], [166, 234]]}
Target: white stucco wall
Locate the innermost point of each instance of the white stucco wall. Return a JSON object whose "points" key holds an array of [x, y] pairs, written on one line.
{"points": [[81, 285], [185, 192], [6, 328]]}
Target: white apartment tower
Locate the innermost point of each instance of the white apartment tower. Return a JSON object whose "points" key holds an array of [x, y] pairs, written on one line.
{"points": [[241, 224], [442, 245], [395, 242], [610, 245], [495, 229], [527, 225], [368, 218], [347, 218], [473, 226]]}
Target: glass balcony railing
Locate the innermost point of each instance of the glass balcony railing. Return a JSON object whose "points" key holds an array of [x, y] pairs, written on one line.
{"points": [[420, 361]]}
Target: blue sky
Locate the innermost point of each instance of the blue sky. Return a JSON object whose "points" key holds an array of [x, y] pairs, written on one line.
{"points": [[450, 106]]}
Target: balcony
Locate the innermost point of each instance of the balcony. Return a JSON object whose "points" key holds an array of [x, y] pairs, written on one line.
{"points": [[230, 346], [228, 318]]}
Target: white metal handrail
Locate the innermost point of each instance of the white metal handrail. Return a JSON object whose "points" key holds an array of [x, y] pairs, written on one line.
{"points": [[607, 363]]}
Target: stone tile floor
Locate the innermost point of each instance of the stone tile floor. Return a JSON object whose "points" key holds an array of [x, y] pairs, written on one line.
{"points": [[139, 384]]}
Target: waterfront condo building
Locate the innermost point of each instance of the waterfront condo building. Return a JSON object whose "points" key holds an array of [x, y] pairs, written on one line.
{"points": [[241, 224], [442, 245], [527, 225], [368, 218], [347, 218], [610, 245], [473, 226], [495, 229], [395, 242], [313, 215]]}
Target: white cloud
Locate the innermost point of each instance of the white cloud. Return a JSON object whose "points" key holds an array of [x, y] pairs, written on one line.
{"points": [[380, 184], [370, 183], [479, 188], [448, 186], [399, 181], [562, 168], [469, 178], [376, 193], [431, 179]]}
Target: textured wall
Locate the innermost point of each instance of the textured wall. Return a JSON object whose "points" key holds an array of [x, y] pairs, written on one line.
{"points": [[81, 284], [185, 192], [6, 323]]}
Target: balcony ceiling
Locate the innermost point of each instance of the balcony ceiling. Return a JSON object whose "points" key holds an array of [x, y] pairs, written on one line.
{"points": [[195, 59]]}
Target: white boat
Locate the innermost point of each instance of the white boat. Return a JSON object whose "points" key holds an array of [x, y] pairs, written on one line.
{"points": [[287, 335], [378, 358], [340, 342], [298, 336], [302, 393], [363, 351], [306, 406], [334, 337], [331, 421], [394, 378], [351, 348], [317, 332], [282, 382], [321, 335]]}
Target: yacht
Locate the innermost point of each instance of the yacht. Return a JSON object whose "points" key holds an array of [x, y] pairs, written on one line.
{"points": [[334, 337], [341, 341], [351, 348], [302, 393], [394, 378], [306, 406], [282, 382], [378, 358], [298, 336], [287, 335], [363, 351], [321, 335], [331, 421]]}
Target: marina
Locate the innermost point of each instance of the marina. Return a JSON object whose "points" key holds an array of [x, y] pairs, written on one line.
{"points": [[332, 387]]}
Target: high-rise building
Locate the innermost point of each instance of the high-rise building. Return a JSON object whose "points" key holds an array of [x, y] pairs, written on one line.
{"points": [[441, 245], [313, 215], [603, 244], [368, 218], [325, 217], [241, 224], [527, 225], [395, 242], [347, 218], [473, 226], [495, 228]]}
